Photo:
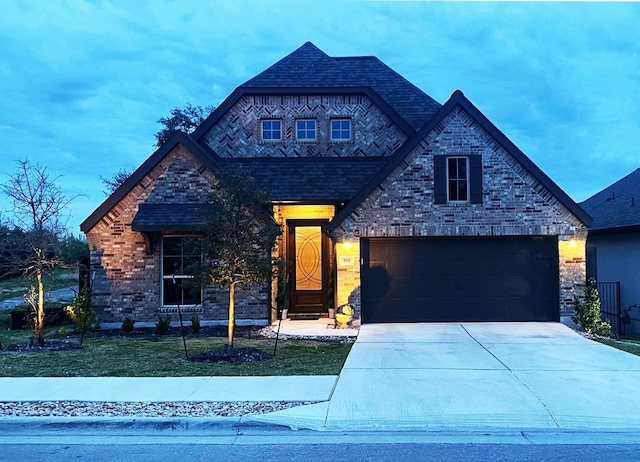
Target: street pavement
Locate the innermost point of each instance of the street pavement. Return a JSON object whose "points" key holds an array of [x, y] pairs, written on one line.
{"points": [[534, 378]]}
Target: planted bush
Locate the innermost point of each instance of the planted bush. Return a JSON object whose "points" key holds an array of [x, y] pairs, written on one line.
{"points": [[195, 324], [587, 310], [128, 324], [163, 324], [83, 314]]}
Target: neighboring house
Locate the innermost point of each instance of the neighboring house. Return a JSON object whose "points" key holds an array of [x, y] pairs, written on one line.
{"points": [[414, 211], [613, 244]]}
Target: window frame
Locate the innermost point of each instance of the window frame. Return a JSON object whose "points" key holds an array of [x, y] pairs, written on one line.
{"points": [[341, 130], [169, 277], [270, 130], [457, 180], [475, 187], [306, 130]]}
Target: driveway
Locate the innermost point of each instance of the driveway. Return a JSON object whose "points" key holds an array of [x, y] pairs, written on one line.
{"points": [[516, 376]]}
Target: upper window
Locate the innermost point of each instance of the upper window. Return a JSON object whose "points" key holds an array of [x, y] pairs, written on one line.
{"points": [[178, 254], [306, 130], [340, 129], [272, 130], [458, 179]]}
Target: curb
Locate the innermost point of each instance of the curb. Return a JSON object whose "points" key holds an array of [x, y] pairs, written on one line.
{"points": [[127, 425]]}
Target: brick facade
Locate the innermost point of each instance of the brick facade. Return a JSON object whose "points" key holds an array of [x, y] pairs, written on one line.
{"points": [[514, 203], [127, 281], [238, 133], [516, 200]]}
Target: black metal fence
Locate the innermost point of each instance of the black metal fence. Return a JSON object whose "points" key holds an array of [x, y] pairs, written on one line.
{"points": [[610, 305]]}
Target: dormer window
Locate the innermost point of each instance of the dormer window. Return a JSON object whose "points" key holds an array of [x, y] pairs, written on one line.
{"points": [[272, 130], [341, 130], [306, 130]]}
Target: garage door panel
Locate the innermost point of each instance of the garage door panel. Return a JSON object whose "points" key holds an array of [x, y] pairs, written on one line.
{"points": [[460, 279]]}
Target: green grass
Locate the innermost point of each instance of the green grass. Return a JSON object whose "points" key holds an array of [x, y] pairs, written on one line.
{"points": [[17, 287], [164, 357], [630, 345]]}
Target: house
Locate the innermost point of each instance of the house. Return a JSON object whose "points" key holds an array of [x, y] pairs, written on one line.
{"points": [[410, 210], [613, 243]]}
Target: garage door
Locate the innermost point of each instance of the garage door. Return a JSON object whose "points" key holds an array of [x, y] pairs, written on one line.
{"points": [[460, 279]]}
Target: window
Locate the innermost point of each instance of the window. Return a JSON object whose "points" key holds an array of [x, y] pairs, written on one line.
{"points": [[306, 130], [341, 130], [178, 253], [457, 179], [272, 130]]}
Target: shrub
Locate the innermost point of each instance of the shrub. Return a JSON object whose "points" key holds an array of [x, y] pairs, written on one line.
{"points": [[195, 324], [127, 325], [163, 324], [83, 314], [587, 310]]}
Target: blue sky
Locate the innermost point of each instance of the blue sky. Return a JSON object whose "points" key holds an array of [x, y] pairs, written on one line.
{"points": [[82, 84]]}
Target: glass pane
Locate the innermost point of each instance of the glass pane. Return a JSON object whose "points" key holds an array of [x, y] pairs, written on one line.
{"points": [[308, 258], [182, 293]]}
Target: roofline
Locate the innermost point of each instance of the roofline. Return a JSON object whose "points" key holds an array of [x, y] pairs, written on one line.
{"points": [[204, 155], [614, 230], [241, 91], [458, 98]]}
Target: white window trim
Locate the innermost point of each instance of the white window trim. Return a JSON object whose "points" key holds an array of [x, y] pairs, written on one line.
{"points": [[174, 308], [315, 130], [468, 179], [271, 140], [340, 140]]}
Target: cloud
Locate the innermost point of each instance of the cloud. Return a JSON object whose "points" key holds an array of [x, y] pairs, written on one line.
{"points": [[82, 84]]}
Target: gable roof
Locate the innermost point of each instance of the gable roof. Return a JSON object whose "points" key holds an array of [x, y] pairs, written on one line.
{"points": [[208, 159], [617, 206], [458, 98], [310, 71]]}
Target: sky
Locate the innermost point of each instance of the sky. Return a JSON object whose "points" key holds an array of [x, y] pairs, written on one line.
{"points": [[83, 83]]}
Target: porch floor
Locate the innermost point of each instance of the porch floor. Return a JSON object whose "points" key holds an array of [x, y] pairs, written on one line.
{"points": [[322, 327]]}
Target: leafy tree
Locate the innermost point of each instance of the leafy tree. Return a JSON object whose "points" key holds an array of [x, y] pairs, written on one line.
{"points": [[38, 207], [114, 182], [185, 119], [73, 248], [587, 310], [239, 239]]}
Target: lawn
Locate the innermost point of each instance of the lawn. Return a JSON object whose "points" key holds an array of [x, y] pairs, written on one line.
{"points": [[17, 287], [164, 356], [630, 345]]}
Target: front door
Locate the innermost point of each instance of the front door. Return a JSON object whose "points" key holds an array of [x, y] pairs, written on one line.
{"points": [[307, 256]]}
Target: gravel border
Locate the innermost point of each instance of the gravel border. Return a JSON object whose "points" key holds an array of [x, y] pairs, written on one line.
{"points": [[143, 409]]}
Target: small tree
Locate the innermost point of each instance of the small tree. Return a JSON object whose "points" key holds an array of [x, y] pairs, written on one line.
{"points": [[38, 204], [239, 239], [184, 119], [82, 313], [587, 310]]}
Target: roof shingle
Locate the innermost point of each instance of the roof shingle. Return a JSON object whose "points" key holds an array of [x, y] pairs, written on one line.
{"points": [[616, 206]]}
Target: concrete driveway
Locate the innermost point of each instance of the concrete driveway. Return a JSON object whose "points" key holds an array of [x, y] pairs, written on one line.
{"points": [[515, 376]]}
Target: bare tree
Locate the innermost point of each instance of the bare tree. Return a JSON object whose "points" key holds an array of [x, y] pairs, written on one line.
{"points": [[38, 206]]}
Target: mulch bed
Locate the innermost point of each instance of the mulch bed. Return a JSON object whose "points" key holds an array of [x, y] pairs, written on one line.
{"points": [[239, 355], [71, 342], [49, 345]]}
